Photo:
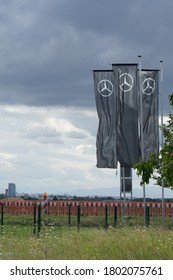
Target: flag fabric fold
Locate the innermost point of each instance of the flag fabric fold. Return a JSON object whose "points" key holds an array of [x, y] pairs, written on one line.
{"points": [[117, 95], [150, 108], [104, 88], [126, 88]]}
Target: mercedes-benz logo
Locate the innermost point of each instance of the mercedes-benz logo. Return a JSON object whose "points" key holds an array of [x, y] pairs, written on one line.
{"points": [[126, 82], [148, 86], [105, 88]]}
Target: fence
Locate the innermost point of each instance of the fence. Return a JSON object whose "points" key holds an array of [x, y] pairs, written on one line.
{"points": [[87, 207], [82, 213]]}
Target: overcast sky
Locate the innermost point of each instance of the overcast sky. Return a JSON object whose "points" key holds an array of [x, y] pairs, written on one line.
{"points": [[48, 118]]}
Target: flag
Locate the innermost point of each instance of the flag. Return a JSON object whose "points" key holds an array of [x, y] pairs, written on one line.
{"points": [[150, 108], [128, 146], [106, 109], [127, 179]]}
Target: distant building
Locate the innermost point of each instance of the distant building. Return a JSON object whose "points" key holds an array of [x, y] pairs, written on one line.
{"points": [[11, 189], [6, 192]]}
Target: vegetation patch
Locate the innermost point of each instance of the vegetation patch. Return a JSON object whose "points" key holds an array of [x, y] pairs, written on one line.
{"points": [[89, 244]]}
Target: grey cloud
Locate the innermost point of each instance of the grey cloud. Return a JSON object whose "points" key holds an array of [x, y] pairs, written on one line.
{"points": [[50, 140], [43, 134], [84, 119], [76, 134], [47, 48]]}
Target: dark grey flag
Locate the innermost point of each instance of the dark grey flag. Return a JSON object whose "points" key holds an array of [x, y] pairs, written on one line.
{"points": [[106, 108], [128, 148], [150, 101]]}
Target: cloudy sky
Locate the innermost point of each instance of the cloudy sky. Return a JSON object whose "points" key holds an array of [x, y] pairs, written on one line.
{"points": [[48, 118]]}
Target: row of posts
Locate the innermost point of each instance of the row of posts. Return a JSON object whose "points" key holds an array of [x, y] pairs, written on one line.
{"points": [[79, 215], [37, 217]]}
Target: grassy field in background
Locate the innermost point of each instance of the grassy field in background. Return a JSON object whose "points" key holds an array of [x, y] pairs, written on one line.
{"points": [[61, 243]]}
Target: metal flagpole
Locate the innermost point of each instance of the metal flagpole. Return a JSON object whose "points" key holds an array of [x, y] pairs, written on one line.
{"points": [[131, 191], [161, 109], [124, 194], [120, 199], [141, 131], [120, 194]]}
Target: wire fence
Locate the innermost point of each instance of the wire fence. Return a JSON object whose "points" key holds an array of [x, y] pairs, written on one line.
{"points": [[29, 217]]}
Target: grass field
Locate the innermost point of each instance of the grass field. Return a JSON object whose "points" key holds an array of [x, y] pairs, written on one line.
{"points": [[134, 243], [90, 241]]}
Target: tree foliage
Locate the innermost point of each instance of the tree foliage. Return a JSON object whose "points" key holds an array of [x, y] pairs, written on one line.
{"points": [[145, 169], [166, 153], [165, 171]]}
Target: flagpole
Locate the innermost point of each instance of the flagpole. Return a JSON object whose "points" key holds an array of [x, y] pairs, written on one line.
{"points": [[142, 134], [124, 194], [161, 108], [120, 193]]}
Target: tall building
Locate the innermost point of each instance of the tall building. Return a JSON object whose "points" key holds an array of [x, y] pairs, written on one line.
{"points": [[11, 189]]}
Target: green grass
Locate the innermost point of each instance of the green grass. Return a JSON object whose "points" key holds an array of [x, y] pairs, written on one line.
{"points": [[128, 241], [25, 221], [88, 244]]}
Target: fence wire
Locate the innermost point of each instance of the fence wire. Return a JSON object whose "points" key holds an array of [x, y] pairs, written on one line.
{"points": [[29, 217]]}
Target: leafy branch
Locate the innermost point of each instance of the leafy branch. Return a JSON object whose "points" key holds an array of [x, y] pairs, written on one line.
{"points": [[146, 168]]}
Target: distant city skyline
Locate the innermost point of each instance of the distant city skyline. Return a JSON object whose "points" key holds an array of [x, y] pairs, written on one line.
{"points": [[11, 191], [151, 192]]}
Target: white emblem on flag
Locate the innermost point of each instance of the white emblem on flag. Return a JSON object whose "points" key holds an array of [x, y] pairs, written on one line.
{"points": [[148, 86], [105, 88], [126, 82]]}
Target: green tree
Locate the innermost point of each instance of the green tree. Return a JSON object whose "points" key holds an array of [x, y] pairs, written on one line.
{"points": [[165, 171], [166, 153], [145, 169]]}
